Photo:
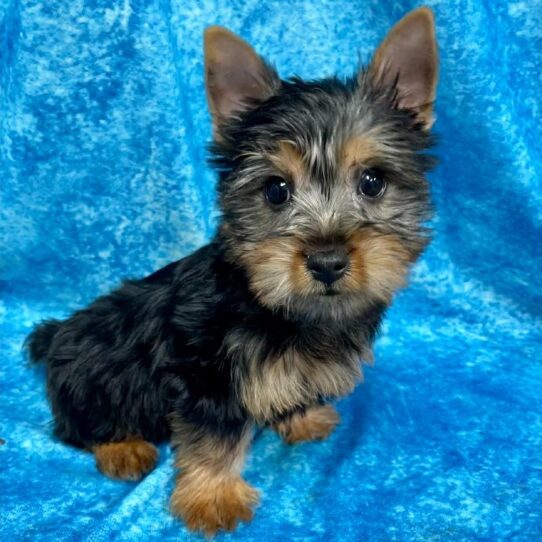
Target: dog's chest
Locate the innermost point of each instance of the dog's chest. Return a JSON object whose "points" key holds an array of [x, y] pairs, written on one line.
{"points": [[271, 385]]}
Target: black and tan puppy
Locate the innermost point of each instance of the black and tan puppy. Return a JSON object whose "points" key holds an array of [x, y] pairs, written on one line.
{"points": [[323, 200]]}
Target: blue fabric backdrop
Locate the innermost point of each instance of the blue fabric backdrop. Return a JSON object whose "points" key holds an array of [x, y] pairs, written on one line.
{"points": [[103, 126]]}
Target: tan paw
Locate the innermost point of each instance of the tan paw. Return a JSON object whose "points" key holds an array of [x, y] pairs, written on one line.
{"points": [[210, 504], [316, 423], [125, 460]]}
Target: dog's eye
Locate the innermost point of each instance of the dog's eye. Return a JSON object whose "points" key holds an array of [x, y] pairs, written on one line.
{"points": [[372, 184], [277, 191]]}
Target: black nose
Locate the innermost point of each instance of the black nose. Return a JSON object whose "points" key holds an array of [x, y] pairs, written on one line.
{"points": [[327, 266]]}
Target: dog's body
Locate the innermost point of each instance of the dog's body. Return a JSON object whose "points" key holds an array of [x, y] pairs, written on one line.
{"points": [[185, 342], [324, 197]]}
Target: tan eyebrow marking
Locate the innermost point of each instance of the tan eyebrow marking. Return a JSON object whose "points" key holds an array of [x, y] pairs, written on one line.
{"points": [[357, 150], [289, 161]]}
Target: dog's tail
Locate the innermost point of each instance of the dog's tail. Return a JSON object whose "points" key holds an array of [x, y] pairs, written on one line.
{"points": [[38, 342]]}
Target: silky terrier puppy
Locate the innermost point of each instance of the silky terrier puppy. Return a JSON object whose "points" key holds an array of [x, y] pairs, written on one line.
{"points": [[324, 201]]}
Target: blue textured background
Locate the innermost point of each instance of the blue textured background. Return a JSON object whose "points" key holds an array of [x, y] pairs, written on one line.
{"points": [[103, 125]]}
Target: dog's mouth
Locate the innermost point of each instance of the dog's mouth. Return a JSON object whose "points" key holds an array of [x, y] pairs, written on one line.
{"points": [[330, 291]]}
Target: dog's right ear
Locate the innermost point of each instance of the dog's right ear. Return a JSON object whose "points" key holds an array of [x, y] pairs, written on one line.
{"points": [[236, 78]]}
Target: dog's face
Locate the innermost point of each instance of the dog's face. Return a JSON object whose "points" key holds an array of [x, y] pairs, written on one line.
{"points": [[322, 183]]}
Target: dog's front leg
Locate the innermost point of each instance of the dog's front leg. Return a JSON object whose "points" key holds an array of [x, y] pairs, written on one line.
{"points": [[316, 423], [210, 493]]}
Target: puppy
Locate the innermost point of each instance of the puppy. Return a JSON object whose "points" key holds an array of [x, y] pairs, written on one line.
{"points": [[324, 198]]}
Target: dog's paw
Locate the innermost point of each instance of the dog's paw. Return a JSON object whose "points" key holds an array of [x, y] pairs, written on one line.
{"points": [[316, 423], [209, 505], [125, 460]]}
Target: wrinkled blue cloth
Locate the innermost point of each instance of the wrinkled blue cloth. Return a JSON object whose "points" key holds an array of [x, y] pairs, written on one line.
{"points": [[103, 127]]}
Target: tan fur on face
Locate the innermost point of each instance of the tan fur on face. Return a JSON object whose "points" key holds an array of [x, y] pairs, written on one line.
{"points": [[316, 423], [379, 264], [209, 493], [126, 460], [357, 150], [277, 270], [288, 160]]}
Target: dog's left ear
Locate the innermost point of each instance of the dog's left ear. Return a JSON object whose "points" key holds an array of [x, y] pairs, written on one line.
{"points": [[236, 78], [408, 57]]}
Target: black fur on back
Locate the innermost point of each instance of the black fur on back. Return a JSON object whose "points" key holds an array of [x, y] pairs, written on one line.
{"points": [[39, 341]]}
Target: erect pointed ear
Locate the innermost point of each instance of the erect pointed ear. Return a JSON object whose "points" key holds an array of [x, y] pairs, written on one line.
{"points": [[408, 57], [235, 76]]}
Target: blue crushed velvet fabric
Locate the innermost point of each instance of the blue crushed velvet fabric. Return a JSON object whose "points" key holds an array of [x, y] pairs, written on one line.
{"points": [[103, 125]]}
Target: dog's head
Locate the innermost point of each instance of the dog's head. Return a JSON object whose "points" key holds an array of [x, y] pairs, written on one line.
{"points": [[322, 183]]}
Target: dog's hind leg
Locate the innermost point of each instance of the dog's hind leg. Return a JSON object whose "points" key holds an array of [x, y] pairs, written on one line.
{"points": [[128, 459]]}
